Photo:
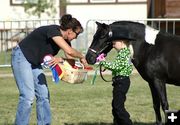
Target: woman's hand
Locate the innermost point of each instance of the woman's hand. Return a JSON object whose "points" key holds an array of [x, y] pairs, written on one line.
{"points": [[83, 61], [55, 60], [86, 66]]}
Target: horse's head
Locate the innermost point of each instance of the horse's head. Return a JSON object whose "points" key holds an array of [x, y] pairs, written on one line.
{"points": [[100, 43], [102, 40]]}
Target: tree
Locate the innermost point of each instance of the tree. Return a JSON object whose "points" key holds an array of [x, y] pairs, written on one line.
{"points": [[38, 7]]}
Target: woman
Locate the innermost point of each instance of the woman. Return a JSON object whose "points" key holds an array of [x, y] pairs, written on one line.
{"points": [[27, 57]]}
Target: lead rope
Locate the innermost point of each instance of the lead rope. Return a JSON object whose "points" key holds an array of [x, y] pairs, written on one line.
{"points": [[95, 75], [100, 68]]}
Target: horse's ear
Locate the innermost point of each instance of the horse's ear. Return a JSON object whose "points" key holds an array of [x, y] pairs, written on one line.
{"points": [[101, 25], [98, 23]]}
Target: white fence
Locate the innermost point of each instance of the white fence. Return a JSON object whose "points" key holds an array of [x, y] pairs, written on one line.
{"points": [[11, 32]]}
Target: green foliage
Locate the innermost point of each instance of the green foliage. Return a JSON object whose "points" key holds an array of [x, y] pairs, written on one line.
{"points": [[37, 7]]}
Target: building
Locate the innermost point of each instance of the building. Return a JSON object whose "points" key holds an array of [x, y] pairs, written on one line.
{"points": [[84, 10], [165, 9], [14, 10]]}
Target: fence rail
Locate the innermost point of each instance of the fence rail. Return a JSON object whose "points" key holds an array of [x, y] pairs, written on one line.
{"points": [[11, 32]]}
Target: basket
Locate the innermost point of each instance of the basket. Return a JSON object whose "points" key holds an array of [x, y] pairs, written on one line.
{"points": [[74, 76]]}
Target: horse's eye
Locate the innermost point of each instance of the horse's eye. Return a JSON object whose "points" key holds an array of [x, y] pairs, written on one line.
{"points": [[99, 36], [108, 43], [103, 35]]}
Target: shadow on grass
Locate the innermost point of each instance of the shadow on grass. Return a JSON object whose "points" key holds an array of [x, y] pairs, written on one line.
{"points": [[140, 123], [136, 123]]}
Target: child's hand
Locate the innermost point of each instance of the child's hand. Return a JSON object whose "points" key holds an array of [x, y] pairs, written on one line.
{"points": [[100, 58]]}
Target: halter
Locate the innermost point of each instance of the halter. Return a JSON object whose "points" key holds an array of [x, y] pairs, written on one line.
{"points": [[110, 34], [96, 52], [100, 68]]}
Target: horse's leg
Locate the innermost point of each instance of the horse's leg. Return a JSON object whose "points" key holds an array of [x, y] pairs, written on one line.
{"points": [[161, 89], [156, 104]]}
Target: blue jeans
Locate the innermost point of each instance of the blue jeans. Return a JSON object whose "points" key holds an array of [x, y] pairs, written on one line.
{"points": [[31, 83]]}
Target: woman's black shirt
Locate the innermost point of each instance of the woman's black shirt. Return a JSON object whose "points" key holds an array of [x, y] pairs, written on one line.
{"points": [[40, 43]]}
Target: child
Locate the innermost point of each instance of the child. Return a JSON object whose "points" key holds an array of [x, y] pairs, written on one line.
{"points": [[121, 69]]}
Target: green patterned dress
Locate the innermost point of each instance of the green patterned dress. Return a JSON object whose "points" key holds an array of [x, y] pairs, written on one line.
{"points": [[122, 65]]}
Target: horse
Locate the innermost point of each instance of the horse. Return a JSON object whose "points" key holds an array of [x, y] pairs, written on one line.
{"points": [[155, 55]]}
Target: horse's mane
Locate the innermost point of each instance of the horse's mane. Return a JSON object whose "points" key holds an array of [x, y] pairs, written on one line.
{"points": [[128, 23]]}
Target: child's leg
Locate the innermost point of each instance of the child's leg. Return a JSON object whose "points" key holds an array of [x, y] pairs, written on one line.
{"points": [[121, 86]]}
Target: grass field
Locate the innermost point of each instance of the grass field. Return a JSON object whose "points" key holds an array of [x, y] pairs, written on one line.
{"points": [[86, 104]]}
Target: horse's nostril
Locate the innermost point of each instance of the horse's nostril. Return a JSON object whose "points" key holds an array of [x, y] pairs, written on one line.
{"points": [[90, 59]]}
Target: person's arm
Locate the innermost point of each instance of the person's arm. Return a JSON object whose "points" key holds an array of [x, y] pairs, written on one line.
{"points": [[119, 63], [71, 52], [68, 56], [113, 66], [66, 48]]}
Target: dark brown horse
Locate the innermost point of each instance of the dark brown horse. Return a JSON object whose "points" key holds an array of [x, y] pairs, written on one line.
{"points": [[156, 56]]}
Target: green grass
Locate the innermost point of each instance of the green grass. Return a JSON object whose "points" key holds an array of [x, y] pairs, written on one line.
{"points": [[86, 104], [5, 57]]}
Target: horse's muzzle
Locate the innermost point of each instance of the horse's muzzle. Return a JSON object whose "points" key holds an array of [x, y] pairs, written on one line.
{"points": [[91, 58]]}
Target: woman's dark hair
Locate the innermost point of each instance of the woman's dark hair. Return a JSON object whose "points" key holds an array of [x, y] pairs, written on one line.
{"points": [[69, 22]]}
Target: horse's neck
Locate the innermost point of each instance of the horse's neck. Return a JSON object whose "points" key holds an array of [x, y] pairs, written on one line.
{"points": [[141, 51], [145, 42]]}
